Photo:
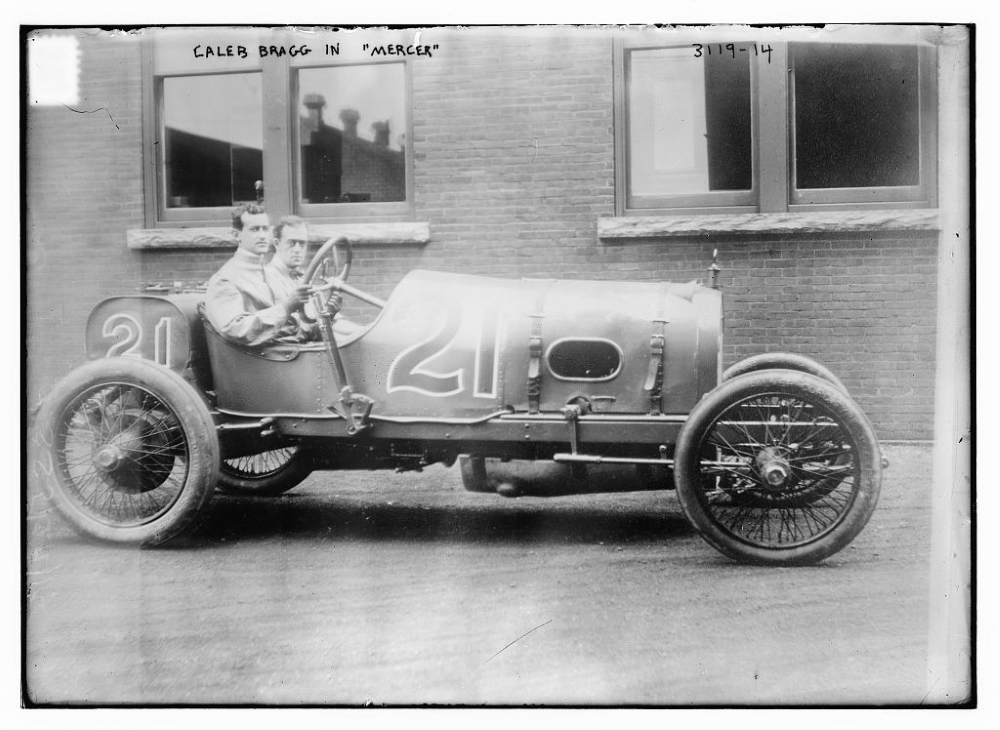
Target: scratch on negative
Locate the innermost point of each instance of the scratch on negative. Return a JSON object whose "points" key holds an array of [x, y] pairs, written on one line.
{"points": [[91, 111], [514, 642]]}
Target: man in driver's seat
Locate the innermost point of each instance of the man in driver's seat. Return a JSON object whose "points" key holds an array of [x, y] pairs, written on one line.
{"points": [[240, 302], [284, 275]]}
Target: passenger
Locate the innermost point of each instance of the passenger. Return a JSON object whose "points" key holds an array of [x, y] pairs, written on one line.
{"points": [[240, 303], [284, 274]]}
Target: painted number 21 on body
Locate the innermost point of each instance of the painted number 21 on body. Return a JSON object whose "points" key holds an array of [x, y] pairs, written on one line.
{"points": [[128, 332], [476, 349]]}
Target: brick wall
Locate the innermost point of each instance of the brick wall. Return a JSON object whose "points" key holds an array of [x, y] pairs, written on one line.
{"points": [[862, 305], [513, 146], [84, 190]]}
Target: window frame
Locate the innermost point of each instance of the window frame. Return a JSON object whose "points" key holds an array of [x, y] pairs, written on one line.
{"points": [[773, 139], [280, 151]]}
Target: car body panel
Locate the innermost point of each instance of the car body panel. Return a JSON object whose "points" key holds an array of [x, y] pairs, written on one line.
{"points": [[164, 329], [454, 345]]}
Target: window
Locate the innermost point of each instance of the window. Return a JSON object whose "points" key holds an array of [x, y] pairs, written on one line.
{"points": [[768, 127], [314, 133], [351, 135], [689, 128], [212, 139], [856, 122]]}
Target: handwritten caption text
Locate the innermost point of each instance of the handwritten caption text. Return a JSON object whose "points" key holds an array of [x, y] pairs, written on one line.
{"points": [[304, 49]]}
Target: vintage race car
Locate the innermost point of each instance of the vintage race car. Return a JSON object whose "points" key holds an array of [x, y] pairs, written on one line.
{"points": [[772, 461]]}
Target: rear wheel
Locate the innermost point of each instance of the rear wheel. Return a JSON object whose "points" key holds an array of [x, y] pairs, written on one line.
{"points": [[778, 467], [266, 474], [127, 450]]}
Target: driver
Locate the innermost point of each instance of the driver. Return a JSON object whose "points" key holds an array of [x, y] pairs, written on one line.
{"points": [[284, 275], [240, 303]]}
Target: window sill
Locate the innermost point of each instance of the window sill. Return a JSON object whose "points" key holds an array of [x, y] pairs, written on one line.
{"points": [[617, 229], [392, 234]]}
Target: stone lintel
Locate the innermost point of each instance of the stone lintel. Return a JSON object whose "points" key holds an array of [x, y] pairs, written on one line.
{"points": [[763, 223], [399, 234]]}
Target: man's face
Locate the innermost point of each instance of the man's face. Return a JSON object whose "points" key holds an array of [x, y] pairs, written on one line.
{"points": [[291, 247], [256, 234]]}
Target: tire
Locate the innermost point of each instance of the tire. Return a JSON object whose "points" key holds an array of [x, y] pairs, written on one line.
{"points": [[778, 468], [782, 361], [127, 451], [267, 474]]}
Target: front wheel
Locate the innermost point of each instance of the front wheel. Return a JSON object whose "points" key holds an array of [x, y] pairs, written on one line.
{"points": [[782, 361], [127, 450], [778, 467]]}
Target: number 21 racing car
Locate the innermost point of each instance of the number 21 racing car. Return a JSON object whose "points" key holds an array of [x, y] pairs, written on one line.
{"points": [[772, 461]]}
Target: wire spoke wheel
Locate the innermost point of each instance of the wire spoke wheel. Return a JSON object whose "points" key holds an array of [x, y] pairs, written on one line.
{"points": [[260, 465], [785, 471], [123, 454], [266, 474], [778, 467], [127, 450]]}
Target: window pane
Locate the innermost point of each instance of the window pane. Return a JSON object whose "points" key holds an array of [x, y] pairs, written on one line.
{"points": [[857, 115], [689, 122], [213, 139], [352, 122]]}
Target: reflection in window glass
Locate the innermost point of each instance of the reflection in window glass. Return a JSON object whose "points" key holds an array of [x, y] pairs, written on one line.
{"points": [[213, 139], [689, 122], [352, 123], [857, 115]]}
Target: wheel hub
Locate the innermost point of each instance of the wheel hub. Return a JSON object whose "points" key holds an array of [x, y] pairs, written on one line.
{"points": [[108, 458], [774, 469], [134, 458]]}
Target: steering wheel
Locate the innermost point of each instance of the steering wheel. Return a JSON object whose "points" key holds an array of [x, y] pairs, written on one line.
{"points": [[323, 284], [317, 269]]}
